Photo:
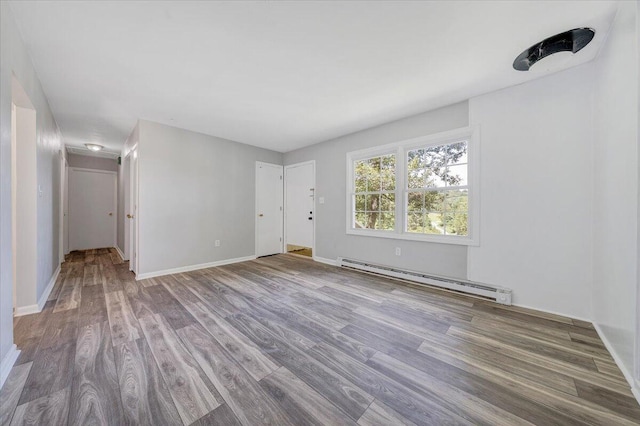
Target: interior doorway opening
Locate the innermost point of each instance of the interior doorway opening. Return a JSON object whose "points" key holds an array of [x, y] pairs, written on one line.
{"points": [[24, 198], [300, 218]]}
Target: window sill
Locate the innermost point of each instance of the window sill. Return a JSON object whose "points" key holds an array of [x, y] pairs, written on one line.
{"points": [[440, 239]]}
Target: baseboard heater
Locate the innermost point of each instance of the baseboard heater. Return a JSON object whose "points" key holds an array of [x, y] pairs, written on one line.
{"points": [[499, 294]]}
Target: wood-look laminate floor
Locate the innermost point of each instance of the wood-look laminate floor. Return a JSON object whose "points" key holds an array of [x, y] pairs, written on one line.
{"points": [[284, 340]]}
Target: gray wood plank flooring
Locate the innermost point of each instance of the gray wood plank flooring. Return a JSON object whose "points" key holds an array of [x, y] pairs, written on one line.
{"points": [[283, 340]]}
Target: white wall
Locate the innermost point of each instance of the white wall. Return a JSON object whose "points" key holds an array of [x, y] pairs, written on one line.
{"points": [[615, 181], [14, 59], [25, 208], [194, 189], [332, 241], [535, 192]]}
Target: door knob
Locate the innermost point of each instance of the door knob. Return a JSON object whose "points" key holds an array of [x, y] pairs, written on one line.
{"points": [[260, 215], [129, 216], [110, 214], [310, 218]]}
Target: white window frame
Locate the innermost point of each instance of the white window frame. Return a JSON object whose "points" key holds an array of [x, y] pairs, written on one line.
{"points": [[400, 149]]}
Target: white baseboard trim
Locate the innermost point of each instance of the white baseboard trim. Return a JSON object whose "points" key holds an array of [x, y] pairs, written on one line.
{"points": [[193, 267], [7, 363], [120, 252], [546, 311], [34, 309], [325, 260], [636, 392], [626, 373]]}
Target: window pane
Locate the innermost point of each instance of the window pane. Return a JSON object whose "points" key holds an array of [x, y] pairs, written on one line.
{"points": [[370, 219], [435, 178], [387, 202], [457, 175], [360, 202], [457, 153], [388, 172], [373, 175], [385, 221], [360, 175], [415, 201], [434, 201], [415, 222], [457, 201], [435, 223], [457, 224], [360, 219], [416, 159], [373, 202], [415, 178]]}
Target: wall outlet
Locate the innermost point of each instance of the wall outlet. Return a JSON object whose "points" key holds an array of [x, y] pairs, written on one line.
{"points": [[398, 251], [217, 243]]}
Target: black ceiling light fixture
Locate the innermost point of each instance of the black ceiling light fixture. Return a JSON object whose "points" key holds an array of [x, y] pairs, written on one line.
{"points": [[571, 41]]}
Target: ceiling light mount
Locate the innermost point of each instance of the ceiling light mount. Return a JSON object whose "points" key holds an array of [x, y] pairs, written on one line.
{"points": [[94, 147], [569, 41]]}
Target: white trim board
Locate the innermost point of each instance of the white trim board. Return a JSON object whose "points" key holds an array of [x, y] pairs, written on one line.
{"points": [[193, 267], [519, 305], [7, 363], [325, 260], [34, 309], [120, 252], [628, 375]]}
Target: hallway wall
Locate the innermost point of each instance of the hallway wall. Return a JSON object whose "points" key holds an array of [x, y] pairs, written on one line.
{"points": [[14, 60]]}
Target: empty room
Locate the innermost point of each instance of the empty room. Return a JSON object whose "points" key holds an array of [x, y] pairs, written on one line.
{"points": [[319, 212]]}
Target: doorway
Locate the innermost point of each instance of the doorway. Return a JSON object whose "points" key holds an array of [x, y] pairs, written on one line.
{"points": [[64, 207], [269, 209], [131, 209], [24, 199], [92, 209], [300, 208]]}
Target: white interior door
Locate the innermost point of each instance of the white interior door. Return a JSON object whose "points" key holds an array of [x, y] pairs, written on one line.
{"points": [[133, 204], [92, 209], [126, 184], [269, 195], [299, 196], [65, 217]]}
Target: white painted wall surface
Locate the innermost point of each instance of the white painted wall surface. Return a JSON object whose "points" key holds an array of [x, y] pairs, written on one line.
{"points": [[14, 59], [26, 199], [615, 181], [535, 192], [194, 189], [331, 239]]}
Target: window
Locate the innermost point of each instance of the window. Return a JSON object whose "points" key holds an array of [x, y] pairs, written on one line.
{"points": [[421, 189], [374, 195]]}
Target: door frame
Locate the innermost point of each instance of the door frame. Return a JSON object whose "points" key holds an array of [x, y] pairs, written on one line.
{"points": [[63, 190], [255, 206], [133, 249], [284, 226], [115, 198]]}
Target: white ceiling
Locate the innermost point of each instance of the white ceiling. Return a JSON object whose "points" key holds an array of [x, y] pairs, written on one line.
{"points": [[280, 75]]}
